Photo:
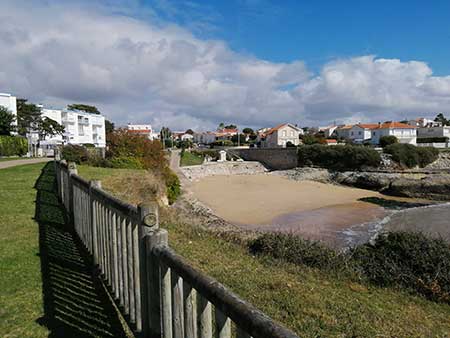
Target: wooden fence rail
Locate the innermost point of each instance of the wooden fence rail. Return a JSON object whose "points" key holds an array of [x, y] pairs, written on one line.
{"points": [[158, 292]]}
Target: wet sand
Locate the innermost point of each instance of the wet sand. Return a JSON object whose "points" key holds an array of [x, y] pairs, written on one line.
{"points": [[276, 201]]}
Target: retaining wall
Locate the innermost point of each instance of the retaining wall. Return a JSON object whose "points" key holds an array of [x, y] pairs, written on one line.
{"points": [[272, 158], [196, 172]]}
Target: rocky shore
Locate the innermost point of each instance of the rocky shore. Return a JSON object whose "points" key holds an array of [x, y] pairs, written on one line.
{"points": [[435, 186]]}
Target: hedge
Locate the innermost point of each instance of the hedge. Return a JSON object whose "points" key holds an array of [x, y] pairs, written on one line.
{"points": [[410, 156], [338, 157], [13, 146], [432, 140]]}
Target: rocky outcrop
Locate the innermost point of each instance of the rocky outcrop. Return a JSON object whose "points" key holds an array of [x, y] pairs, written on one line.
{"points": [[443, 162], [305, 174]]}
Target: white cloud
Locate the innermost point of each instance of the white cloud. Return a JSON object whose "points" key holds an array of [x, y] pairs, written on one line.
{"points": [[139, 70]]}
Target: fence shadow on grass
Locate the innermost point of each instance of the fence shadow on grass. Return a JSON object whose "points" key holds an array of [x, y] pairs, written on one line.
{"points": [[75, 302]]}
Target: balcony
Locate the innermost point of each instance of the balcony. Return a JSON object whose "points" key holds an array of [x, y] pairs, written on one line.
{"points": [[68, 119], [84, 121]]}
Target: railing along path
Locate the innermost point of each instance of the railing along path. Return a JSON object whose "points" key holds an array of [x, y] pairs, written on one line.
{"points": [[157, 291]]}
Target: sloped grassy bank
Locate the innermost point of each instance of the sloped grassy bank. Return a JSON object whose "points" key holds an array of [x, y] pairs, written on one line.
{"points": [[312, 298]]}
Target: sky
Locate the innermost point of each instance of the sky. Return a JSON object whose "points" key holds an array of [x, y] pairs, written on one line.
{"points": [[194, 64]]}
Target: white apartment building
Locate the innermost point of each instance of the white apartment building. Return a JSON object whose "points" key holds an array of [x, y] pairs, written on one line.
{"points": [[281, 135], [9, 102], [143, 129], [405, 133], [440, 131]]}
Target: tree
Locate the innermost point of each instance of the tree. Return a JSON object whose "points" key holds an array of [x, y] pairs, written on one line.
{"points": [[28, 116], [441, 118], [83, 107], [248, 131], [387, 140], [190, 132], [242, 138], [49, 127], [221, 126], [109, 126], [6, 121], [231, 126]]}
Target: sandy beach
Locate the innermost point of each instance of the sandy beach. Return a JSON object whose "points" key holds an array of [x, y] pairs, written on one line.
{"points": [[261, 199]]}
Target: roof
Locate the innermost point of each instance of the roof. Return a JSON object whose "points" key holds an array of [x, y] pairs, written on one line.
{"points": [[331, 141], [394, 125], [367, 125], [274, 129], [347, 126], [139, 131]]}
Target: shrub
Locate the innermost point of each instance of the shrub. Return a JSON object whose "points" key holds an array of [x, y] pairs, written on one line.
{"points": [[222, 143], [432, 140], [74, 153], [387, 140], [410, 156], [294, 249], [338, 157], [173, 187], [214, 154], [126, 162], [409, 260], [13, 145]]}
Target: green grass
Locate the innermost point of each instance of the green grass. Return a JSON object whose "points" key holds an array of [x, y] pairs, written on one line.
{"points": [[47, 287], [311, 302], [188, 159], [4, 159]]}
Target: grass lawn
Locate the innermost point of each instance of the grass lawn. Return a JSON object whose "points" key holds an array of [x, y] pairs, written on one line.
{"points": [[21, 301], [309, 301], [188, 159], [3, 159]]}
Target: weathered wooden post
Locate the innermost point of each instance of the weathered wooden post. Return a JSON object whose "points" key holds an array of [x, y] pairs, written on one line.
{"points": [[94, 219], [149, 220], [72, 167]]}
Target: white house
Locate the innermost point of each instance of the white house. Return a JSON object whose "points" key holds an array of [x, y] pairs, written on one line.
{"points": [[206, 137], [142, 129], [9, 102], [405, 133], [343, 131], [281, 135], [424, 122], [360, 133]]}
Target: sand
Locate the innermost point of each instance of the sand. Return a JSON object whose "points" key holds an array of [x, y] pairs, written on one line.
{"points": [[261, 199]]}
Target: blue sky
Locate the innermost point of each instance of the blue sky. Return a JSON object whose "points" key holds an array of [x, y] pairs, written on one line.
{"points": [[319, 31], [259, 63]]}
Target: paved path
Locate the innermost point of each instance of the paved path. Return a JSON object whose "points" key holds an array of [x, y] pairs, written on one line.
{"points": [[13, 163], [175, 160]]}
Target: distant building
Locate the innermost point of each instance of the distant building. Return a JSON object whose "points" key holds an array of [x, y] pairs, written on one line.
{"points": [[343, 131], [206, 137], [281, 135], [360, 133], [9, 102], [423, 122], [405, 133], [331, 142], [437, 131], [141, 129]]}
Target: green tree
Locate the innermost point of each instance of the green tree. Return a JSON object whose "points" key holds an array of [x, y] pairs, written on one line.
{"points": [[83, 107], [242, 138], [190, 132], [28, 116], [231, 126], [387, 140], [248, 131], [221, 126], [6, 121], [109, 126], [48, 127], [441, 118]]}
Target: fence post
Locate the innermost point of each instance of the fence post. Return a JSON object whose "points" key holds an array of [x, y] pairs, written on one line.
{"points": [[149, 220], [94, 225], [156, 237], [72, 171]]}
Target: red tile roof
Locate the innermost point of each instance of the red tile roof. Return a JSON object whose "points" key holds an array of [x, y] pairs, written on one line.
{"points": [[396, 125], [141, 131], [368, 125]]}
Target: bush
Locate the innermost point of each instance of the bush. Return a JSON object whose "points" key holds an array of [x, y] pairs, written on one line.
{"points": [[338, 157], [172, 183], [294, 249], [410, 156], [388, 140], [410, 260], [13, 145], [222, 143], [74, 153], [126, 162], [214, 154]]}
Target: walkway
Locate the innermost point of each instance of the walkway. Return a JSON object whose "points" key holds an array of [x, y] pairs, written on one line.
{"points": [[13, 163], [75, 301]]}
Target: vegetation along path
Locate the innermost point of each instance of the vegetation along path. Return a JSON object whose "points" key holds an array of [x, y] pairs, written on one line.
{"points": [[13, 163], [48, 284]]}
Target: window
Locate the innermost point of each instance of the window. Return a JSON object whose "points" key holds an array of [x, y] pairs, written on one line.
{"points": [[359, 133], [292, 133], [284, 133]]}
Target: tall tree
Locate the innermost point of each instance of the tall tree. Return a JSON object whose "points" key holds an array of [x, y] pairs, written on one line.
{"points": [[83, 107], [190, 132], [109, 126], [231, 126], [28, 116], [49, 127], [441, 118], [248, 131], [6, 121], [221, 126]]}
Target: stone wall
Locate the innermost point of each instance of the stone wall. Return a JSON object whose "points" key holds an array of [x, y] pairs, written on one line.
{"points": [[196, 172], [272, 158]]}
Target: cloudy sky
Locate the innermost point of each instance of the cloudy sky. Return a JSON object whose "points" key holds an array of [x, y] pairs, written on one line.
{"points": [[193, 64]]}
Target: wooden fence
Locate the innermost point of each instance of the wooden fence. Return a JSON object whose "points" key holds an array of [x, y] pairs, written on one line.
{"points": [[158, 292]]}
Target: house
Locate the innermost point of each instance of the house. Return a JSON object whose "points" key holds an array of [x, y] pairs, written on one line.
{"points": [[281, 136], [141, 129], [225, 134], [405, 133], [206, 137], [360, 133], [343, 131], [437, 131], [9, 102], [328, 131], [331, 142], [424, 122]]}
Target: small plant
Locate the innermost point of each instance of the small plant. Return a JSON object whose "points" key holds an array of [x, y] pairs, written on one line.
{"points": [[173, 186], [74, 153]]}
